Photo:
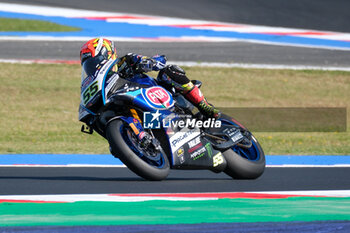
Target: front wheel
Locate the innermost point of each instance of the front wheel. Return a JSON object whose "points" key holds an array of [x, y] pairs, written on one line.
{"points": [[148, 163]]}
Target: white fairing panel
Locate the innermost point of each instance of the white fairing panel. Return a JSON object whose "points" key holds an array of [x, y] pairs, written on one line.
{"points": [[91, 86]]}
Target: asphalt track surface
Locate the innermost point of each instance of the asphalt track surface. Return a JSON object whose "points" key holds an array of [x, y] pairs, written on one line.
{"points": [[318, 226], [310, 14], [237, 52], [92, 180]]}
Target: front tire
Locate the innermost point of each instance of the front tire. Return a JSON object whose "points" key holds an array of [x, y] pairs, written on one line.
{"points": [[118, 136]]}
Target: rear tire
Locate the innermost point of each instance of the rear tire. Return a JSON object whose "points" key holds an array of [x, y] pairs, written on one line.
{"points": [[239, 167], [121, 148], [244, 167]]}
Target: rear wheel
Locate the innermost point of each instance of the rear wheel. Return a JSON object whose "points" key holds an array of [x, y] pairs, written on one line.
{"points": [[149, 163], [244, 163]]}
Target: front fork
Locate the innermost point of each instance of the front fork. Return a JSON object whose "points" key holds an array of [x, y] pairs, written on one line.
{"points": [[134, 123]]}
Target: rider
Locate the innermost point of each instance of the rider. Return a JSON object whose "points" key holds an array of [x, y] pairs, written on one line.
{"points": [[170, 75]]}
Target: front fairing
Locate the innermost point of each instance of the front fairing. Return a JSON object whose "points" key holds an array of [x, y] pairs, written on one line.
{"points": [[94, 82], [143, 80], [147, 98]]}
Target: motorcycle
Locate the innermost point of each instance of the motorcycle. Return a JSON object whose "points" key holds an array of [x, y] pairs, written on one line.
{"points": [[153, 129]]}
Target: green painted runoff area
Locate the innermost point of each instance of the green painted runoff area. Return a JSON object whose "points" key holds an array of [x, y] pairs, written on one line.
{"points": [[175, 212]]}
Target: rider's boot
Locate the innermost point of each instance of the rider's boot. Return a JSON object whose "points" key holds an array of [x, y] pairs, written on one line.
{"points": [[195, 96]]}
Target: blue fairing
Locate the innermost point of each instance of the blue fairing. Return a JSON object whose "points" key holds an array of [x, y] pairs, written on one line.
{"points": [[142, 100], [144, 80]]}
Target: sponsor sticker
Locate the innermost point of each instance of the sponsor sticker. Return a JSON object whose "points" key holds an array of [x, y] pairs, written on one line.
{"points": [[236, 137], [182, 137], [111, 81], [198, 153], [194, 142], [158, 97], [209, 149], [180, 155], [87, 81], [133, 127]]}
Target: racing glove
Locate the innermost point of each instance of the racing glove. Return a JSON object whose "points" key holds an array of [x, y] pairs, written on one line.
{"points": [[145, 65], [134, 63], [154, 63], [160, 62]]}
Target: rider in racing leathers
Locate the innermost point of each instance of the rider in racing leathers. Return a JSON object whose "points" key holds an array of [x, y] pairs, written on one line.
{"points": [[170, 75]]}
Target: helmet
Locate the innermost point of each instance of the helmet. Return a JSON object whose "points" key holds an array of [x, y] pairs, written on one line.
{"points": [[97, 47], [95, 52]]}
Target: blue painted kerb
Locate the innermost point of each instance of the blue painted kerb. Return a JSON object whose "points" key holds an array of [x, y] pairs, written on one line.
{"points": [[107, 159]]}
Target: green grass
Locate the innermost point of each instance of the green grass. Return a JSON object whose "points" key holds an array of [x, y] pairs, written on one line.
{"points": [[25, 25], [39, 106]]}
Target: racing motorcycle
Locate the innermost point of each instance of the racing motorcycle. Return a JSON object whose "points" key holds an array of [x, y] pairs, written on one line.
{"points": [[153, 129]]}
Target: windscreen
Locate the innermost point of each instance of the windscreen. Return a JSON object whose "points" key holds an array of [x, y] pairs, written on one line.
{"points": [[92, 64]]}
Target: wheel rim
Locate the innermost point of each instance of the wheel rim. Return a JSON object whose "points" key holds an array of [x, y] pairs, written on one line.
{"points": [[151, 157], [252, 153]]}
